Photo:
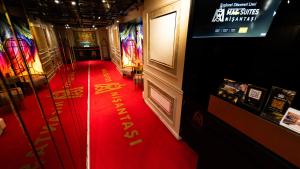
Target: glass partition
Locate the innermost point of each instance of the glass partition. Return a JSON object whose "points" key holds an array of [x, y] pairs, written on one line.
{"points": [[27, 76], [15, 141], [39, 72], [73, 91]]}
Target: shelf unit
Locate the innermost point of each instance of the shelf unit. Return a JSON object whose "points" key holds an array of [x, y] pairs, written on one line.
{"points": [[276, 138]]}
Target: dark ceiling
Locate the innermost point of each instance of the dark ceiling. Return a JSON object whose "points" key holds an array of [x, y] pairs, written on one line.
{"points": [[79, 13]]}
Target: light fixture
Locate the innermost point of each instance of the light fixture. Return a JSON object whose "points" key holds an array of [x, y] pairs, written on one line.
{"points": [[56, 1], [99, 17], [67, 26], [93, 26], [73, 3], [288, 1], [103, 1], [118, 21], [108, 6]]}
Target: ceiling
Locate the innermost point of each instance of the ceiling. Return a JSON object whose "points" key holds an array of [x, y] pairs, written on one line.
{"points": [[79, 13]]}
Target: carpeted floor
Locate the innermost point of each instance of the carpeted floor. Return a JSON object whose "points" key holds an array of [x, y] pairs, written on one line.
{"points": [[124, 132], [16, 152]]}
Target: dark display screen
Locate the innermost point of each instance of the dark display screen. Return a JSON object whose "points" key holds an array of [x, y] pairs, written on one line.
{"points": [[233, 18]]}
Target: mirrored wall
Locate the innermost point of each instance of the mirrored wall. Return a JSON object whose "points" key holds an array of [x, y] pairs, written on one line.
{"points": [[41, 124]]}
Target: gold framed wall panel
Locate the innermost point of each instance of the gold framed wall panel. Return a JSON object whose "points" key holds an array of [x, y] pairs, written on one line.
{"points": [[54, 41], [163, 101], [167, 76], [171, 118], [114, 45], [39, 37], [155, 45]]}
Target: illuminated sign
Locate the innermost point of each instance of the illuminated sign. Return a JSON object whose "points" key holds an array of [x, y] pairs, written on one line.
{"points": [[228, 18], [236, 14]]}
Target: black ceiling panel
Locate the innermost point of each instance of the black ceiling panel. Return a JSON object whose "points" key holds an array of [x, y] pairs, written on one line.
{"points": [[84, 14]]}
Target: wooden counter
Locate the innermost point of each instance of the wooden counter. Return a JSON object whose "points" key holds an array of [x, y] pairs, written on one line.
{"points": [[278, 139]]}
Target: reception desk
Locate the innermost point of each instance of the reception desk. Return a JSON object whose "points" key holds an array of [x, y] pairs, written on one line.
{"points": [[87, 53]]}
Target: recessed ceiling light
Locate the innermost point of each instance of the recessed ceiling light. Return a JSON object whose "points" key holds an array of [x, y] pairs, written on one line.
{"points": [[99, 17], [96, 28], [56, 1], [118, 21], [73, 3], [103, 1], [93, 26], [108, 6], [288, 1]]}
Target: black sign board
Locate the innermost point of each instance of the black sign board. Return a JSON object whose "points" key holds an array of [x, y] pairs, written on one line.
{"points": [[233, 18]]}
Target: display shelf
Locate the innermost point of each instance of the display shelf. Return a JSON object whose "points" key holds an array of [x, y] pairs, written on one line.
{"points": [[278, 139]]}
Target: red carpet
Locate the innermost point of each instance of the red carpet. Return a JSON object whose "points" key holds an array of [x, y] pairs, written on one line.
{"points": [[14, 144], [125, 133]]}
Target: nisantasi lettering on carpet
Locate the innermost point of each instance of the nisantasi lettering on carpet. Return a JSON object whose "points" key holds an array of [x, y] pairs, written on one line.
{"points": [[103, 88], [43, 140], [131, 133], [106, 76], [76, 92]]}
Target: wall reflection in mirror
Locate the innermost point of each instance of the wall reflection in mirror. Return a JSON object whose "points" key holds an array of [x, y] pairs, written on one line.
{"points": [[40, 123]]}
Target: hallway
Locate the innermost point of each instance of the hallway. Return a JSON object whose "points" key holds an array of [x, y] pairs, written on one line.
{"points": [[124, 132], [143, 84]]}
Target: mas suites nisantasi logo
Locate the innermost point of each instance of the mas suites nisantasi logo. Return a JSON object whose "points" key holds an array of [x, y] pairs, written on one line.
{"points": [[234, 18], [236, 12]]}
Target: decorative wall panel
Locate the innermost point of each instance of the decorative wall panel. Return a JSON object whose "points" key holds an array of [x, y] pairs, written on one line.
{"points": [[163, 38], [165, 35], [162, 100]]}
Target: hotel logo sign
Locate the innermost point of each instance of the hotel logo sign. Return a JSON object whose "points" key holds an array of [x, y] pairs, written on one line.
{"points": [[219, 15], [236, 12]]}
